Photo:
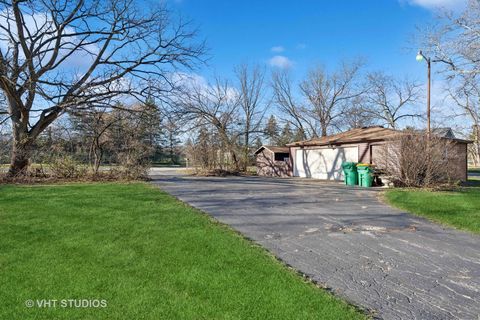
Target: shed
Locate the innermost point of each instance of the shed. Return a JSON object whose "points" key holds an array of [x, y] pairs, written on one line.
{"points": [[322, 157], [273, 161]]}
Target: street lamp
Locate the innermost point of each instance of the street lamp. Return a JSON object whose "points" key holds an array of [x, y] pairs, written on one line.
{"points": [[420, 57]]}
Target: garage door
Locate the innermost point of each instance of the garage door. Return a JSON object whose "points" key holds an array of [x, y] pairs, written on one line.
{"points": [[323, 163]]}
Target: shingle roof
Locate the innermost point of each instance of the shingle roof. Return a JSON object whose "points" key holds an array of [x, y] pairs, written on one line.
{"points": [[354, 135], [274, 149], [444, 132], [366, 134]]}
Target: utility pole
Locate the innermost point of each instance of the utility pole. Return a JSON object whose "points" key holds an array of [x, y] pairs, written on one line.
{"points": [[429, 67], [420, 57]]}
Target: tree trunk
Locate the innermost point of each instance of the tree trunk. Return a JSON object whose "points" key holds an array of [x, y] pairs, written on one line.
{"points": [[235, 161], [21, 153], [98, 159], [324, 130], [22, 141], [246, 150], [476, 143], [170, 137], [98, 154]]}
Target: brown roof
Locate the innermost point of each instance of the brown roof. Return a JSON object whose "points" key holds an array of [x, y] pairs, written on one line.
{"points": [[366, 134], [354, 135], [274, 149]]}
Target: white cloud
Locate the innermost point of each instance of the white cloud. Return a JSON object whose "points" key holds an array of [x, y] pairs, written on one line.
{"points": [[435, 4], [280, 62], [277, 49], [198, 83], [301, 46], [188, 80]]}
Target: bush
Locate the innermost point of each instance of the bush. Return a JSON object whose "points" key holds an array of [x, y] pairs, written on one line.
{"points": [[66, 168], [130, 172], [213, 172], [413, 159]]}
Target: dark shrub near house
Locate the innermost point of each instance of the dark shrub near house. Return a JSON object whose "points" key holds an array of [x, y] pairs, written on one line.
{"points": [[415, 159]]}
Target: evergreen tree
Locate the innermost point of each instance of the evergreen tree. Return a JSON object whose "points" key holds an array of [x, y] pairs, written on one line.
{"points": [[286, 136], [203, 148], [151, 126], [299, 135], [258, 143], [171, 133], [271, 130]]}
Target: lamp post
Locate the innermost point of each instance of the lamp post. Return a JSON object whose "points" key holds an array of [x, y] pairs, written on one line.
{"points": [[420, 57]]}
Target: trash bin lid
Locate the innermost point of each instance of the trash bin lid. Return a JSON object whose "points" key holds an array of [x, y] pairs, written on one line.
{"points": [[348, 165], [365, 167]]}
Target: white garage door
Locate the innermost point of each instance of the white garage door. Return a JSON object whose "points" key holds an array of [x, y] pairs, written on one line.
{"points": [[323, 163]]}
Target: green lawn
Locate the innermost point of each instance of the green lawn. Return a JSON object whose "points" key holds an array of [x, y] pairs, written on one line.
{"points": [[148, 255], [474, 169], [459, 209]]}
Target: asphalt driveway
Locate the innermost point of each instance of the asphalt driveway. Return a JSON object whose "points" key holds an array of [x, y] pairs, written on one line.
{"points": [[376, 257]]}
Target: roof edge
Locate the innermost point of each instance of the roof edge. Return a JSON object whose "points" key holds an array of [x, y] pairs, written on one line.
{"points": [[270, 148], [340, 140]]}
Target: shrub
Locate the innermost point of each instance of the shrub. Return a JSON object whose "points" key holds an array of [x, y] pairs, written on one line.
{"points": [[414, 159], [66, 168]]}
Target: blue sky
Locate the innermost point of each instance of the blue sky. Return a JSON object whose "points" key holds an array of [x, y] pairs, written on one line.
{"points": [[308, 32]]}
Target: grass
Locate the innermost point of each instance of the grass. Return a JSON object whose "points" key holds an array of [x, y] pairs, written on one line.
{"points": [[147, 254], [474, 169], [459, 209]]}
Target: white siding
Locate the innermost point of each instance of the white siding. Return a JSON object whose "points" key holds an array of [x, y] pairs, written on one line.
{"points": [[323, 163]]}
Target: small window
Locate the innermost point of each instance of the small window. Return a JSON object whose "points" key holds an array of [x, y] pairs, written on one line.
{"points": [[282, 156]]}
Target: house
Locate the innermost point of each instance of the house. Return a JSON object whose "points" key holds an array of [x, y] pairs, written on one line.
{"points": [[273, 161], [322, 157], [444, 133]]}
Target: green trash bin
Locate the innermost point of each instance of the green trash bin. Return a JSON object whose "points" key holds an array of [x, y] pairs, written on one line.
{"points": [[350, 173], [365, 175]]}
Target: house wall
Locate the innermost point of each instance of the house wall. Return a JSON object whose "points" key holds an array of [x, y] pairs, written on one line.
{"points": [[369, 152], [364, 150], [323, 162], [267, 166], [460, 164]]}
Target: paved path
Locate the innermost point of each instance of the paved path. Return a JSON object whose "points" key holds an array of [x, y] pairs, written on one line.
{"points": [[396, 265]]}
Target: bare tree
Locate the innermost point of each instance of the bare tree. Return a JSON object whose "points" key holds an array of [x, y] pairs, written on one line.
{"points": [[325, 95], [466, 95], [454, 40], [215, 105], [286, 102], [389, 99], [94, 125], [67, 55], [328, 94], [358, 114], [251, 91], [133, 138], [3, 109]]}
